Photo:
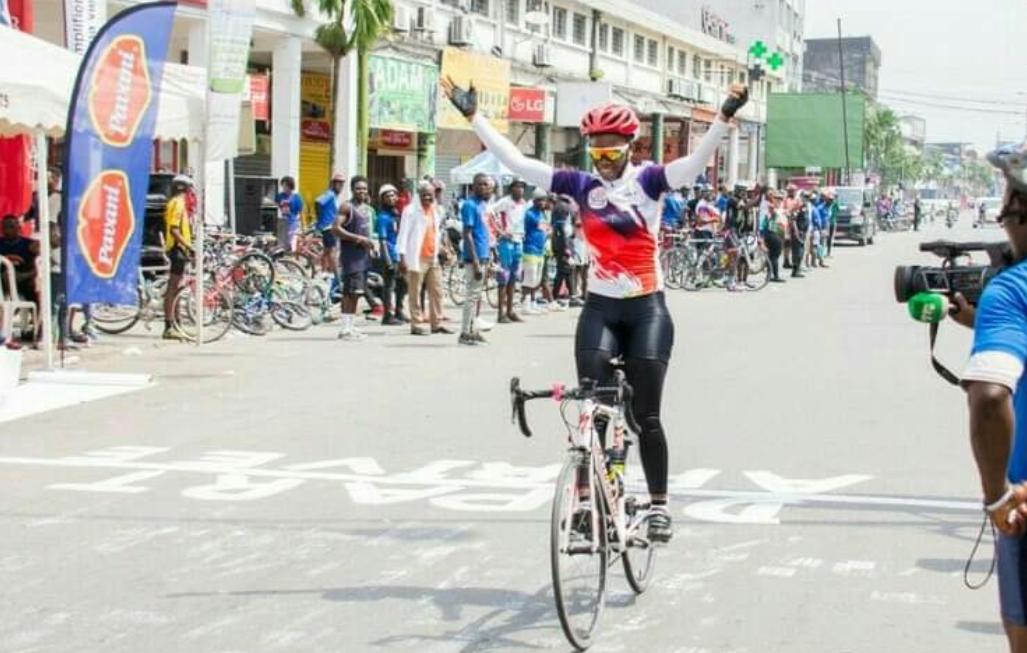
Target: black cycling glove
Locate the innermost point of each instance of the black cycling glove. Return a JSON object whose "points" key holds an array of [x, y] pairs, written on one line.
{"points": [[465, 101], [732, 104]]}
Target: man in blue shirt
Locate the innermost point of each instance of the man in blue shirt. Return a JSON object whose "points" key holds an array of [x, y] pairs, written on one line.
{"points": [[327, 213], [534, 250], [290, 207], [673, 211], [387, 231], [476, 254], [996, 386]]}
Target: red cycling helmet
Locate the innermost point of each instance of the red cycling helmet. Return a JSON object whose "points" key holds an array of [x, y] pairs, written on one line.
{"points": [[610, 119]]}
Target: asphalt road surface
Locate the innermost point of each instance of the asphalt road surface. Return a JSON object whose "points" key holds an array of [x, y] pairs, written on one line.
{"points": [[298, 493]]}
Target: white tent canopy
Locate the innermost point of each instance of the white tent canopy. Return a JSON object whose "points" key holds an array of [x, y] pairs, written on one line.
{"points": [[35, 92], [485, 162]]}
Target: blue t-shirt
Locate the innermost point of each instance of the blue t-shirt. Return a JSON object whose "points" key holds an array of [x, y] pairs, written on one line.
{"points": [[722, 203], [534, 236], [472, 216], [290, 206], [673, 209], [1001, 326], [387, 229], [327, 210]]}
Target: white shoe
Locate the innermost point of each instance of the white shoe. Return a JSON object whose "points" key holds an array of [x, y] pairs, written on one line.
{"points": [[352, 335], [557, 307], [531, 309], [481, 324]]}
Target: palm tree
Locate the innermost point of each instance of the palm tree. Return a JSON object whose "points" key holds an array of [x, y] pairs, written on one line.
{"points": [[368, 21]]}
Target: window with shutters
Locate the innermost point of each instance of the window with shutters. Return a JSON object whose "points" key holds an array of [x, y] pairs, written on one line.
{"points": [[696, 66], [654, 54], [513, 12], [639, 48], [560, 22], [682, 63], [480, 7], [604, 37], [617, 41], [580, 29], [671, 58]]}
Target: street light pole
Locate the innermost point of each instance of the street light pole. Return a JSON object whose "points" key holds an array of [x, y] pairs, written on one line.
{"points": [[845, 110]]}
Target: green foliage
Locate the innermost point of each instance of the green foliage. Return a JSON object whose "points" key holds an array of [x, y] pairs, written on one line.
{"points": [[369, 20]]}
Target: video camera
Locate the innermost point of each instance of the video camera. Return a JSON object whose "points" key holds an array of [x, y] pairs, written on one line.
{"points": [[951, 278]]}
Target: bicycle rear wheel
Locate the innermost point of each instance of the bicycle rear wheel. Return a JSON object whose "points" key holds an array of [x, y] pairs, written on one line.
{"points": [[757, 277], [456, 285], [639, 559], [113, 319], [579, 557], [291, 315]]}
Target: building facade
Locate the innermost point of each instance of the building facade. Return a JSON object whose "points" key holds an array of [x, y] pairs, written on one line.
{"points": [[547, 61], [822, 66], [778, 24]]}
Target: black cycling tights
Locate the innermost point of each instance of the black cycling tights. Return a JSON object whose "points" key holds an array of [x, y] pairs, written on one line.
{"points": [[640, 330]]}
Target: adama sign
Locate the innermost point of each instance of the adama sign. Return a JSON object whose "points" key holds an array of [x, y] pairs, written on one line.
{"points": [[527, 104], [120, 91], [106, 222]]}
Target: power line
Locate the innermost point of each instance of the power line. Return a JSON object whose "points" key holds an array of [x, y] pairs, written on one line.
{"points": [[952, 107]]}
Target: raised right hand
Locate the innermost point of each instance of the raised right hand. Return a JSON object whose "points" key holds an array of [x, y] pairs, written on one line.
{"points": [[465, 101]]}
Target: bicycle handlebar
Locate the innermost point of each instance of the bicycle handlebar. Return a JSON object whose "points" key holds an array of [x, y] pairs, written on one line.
{"points": [[622, 392]]}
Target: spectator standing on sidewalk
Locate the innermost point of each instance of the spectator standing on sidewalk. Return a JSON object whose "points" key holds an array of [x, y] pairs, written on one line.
{"points": [[832, 219], [790, 204], [353, 228], [476, 255], [421, 247], [178, 244], [327, 215], [580, 260], [534, 251], [394, 284], [509, 227], [799, 233], [562, 245], [290, 208], [772, 228]]}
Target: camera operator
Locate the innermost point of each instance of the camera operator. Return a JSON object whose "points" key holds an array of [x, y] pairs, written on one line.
{"points": [[996, 387]]}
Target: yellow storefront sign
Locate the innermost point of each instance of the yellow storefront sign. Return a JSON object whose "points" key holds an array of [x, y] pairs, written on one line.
{"points": [[315, 138], [491, 76]]}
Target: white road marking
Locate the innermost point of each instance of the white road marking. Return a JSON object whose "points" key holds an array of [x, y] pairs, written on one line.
{"points": [[779, 572], [119, 484], [367, 482], [909, 598], [806, 563], [854, 568]]}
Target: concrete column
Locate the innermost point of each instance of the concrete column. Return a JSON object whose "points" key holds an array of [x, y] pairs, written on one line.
{"points": [[754, 150], [286, 66], [213, 174], [733, 154], [543, 143], [585, 163], [425, 155], [657, 140], [346, 118]]}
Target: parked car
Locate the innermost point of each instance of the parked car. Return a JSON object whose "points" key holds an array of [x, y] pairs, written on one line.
{"points": [[855, 214]]}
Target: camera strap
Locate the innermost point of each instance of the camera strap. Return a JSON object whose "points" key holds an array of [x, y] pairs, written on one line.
{"points": [[942, 371]]}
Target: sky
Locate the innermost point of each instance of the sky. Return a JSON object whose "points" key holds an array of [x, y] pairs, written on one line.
{"points": [[960, 64]]}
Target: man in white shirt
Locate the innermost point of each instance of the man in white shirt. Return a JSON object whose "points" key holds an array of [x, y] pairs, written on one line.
{"points": [[509, 230]]}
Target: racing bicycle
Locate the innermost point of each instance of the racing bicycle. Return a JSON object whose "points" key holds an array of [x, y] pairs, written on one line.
{"points": [[597, 519]]}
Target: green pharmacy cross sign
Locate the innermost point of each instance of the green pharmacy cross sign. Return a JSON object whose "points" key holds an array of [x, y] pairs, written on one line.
{"points": [[758, 50], [775, 61]]}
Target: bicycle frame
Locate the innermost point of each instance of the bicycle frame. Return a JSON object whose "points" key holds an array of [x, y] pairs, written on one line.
{"points": [[585, 441]]}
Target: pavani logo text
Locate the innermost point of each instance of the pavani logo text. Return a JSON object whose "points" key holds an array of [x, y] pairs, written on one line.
{"points": [[105, 222], [120, 91]]}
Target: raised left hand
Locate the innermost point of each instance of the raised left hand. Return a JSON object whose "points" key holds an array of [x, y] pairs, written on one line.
{"points": [[738, 95]]}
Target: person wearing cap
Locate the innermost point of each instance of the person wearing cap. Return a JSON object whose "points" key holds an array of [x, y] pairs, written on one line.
{"points": [[178, 245], [509, 228], [419, 246], [387, 228], [327, 214], [353, 228]]}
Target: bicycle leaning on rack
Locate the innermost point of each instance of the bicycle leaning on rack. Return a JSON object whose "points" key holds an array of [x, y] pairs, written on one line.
{"points": [[597, 519]]}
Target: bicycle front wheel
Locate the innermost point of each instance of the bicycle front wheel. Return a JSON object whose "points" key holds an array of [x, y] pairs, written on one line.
{"points": [[455, 282], [579, 555], [217, 313], [291, 315]]}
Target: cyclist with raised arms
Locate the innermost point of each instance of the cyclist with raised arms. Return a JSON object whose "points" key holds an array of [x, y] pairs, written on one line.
{"points": [[625, 312]]}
